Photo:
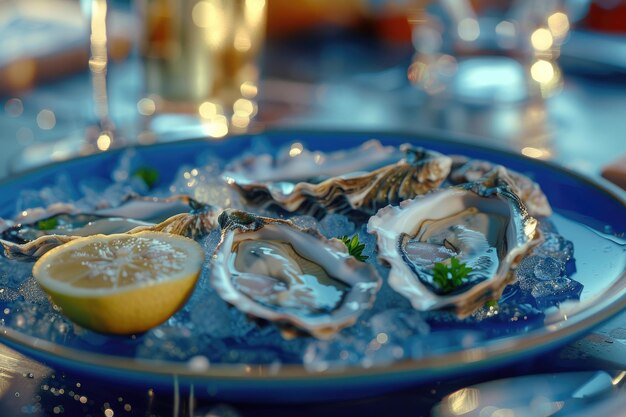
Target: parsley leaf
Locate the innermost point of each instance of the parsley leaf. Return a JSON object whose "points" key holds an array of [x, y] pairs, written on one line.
{"points": [[355, 248], [450, 277], [149, 175], [47, 224]]}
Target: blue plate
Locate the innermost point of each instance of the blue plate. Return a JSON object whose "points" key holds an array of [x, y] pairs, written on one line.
{"points": [[580, 205]]}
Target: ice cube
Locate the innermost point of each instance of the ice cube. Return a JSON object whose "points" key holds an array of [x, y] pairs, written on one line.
{"points": [[509, 314], [369, 241], [211, 316], [546, 226], [32, 292], [39, 321], [209, 162], [525, 271], [241, 326], [387, 298], [336, 225], [399, 324], [62, 190], [338, 353], [513, 294], [206, 185], [125, 164], [13, 274], [305, 222], [8, 295], [99, 193], [396, 333], [548, 268], [555, 246], [553, 292]]}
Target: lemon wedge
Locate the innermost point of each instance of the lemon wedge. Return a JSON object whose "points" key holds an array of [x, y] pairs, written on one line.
{"points": [[122, 283]]}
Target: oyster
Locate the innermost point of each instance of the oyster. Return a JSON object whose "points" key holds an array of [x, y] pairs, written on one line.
{"points": [[418, 172], [295, 163], [29, 241], [79, 224], [133, 206], [470, 170], [483, 224], [274, 270]]}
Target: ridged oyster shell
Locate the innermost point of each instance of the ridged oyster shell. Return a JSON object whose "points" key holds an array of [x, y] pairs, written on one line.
{"points": [[470, 170], [296, 278], [29, 241], [483, 224], [295, 163], [418, 172]]}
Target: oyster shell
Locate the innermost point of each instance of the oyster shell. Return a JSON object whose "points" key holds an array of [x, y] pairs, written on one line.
{"points": [[133, 206], [79, 224], [295, 163], [470, 170], [274, 270], [483, 224], [418, 172], [29, 241]]}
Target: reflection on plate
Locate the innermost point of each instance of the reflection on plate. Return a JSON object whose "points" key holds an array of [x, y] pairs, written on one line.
{"points": [[209, 345]]}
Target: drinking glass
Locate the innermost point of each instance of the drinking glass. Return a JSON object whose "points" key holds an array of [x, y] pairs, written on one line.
{"points": [[201, 66], [76, 118], [488, 51]]}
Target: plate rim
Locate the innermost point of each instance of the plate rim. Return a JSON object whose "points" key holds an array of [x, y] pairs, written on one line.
{"points": [[492, 352]]}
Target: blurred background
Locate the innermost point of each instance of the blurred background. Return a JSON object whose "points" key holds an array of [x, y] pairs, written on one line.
{"points": [[544, 78]]}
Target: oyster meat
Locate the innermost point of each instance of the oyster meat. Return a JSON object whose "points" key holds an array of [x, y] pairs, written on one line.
{"points": [[483, 224], [276, 271], [418, 172], [28, 241]]}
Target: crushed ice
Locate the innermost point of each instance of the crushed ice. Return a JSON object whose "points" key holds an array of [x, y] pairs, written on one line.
{"points": [[207, 330]]}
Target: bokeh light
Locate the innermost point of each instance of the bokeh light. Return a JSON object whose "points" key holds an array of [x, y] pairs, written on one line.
{"points": [[558, 23], [468, 29], [208, 110], [46, 119], [542, 71], [541, 39], [14, 107], [146, 106], [249, 89], [103, 142], [296, 149]]}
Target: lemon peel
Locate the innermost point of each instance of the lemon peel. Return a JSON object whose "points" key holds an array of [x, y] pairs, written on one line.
{"points": [[121, 283]]}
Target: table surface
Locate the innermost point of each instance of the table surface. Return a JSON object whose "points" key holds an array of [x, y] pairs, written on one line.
{"points": [[581, 128]]}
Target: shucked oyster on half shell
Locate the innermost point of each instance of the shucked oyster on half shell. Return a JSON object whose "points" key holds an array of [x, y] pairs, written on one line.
{"points": [[296, 278], [418, 172], [483, 224], [29, 241]]}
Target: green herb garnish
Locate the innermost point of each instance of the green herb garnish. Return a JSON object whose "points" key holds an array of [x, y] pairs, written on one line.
{"points": [[149, 175], [47, 224], [491, 304], [450, 277], [355, 248]]}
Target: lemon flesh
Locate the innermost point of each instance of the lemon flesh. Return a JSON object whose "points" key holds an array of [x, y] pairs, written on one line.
{"points": [[122, 283]]}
